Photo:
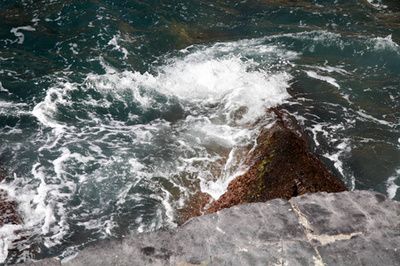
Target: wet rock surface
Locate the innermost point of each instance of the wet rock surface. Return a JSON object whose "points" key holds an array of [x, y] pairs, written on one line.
{"points": [[8, 208], [280, 166], [348, 228]]}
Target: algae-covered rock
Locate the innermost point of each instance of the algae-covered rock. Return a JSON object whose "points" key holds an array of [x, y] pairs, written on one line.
{"points": [[195, 207], [281, 166]]}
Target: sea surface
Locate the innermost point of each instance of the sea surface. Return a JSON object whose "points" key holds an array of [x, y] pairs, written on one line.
{"points": [[113, 113]]}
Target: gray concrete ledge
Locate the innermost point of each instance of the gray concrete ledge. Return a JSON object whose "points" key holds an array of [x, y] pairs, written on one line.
{"points": [[348, 228]]}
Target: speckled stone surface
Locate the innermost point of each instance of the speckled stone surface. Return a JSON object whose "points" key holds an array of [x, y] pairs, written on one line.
{"points": [[347, 228]]}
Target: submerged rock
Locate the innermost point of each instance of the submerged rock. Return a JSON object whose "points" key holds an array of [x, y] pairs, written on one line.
{"points": [[348, 228], [8, 208]]}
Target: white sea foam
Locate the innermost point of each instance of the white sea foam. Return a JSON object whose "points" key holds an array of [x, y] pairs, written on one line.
{"points": [[391, 186], [13, 108], [116, 46], [2, 89], [317, 37], [366, 117], [385, 43], [222, 90], [377, 4], [340, 147], [45, 110], [7, 105], [337, 157], [226, 81], [73, 47], [330, 80], [331, 69], [20, 36], [7, 235]]}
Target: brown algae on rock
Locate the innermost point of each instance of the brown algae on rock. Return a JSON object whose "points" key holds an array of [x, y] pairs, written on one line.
{"points": [[280, 166]]}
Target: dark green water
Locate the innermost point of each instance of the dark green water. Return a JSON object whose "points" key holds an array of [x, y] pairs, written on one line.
{"points": [[112, 113]]}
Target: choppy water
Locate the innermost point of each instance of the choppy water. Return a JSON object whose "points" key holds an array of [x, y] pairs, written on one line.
{"points": [[112, 113]]}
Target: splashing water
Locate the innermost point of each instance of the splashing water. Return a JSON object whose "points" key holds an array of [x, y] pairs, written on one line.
{"points": [[113, 114]]}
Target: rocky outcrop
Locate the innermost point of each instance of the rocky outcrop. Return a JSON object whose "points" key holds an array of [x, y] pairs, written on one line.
{"points": [[280, 166], [348, 228]]}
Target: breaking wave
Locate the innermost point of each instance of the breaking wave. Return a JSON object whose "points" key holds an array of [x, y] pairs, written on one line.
{"points": [[125, 147]]}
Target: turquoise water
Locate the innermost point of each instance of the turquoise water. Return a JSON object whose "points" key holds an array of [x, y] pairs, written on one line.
{"points": [[112, 113]]}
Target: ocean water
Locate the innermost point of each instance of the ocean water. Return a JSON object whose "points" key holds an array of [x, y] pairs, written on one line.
{"points": [[112, 113]]}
